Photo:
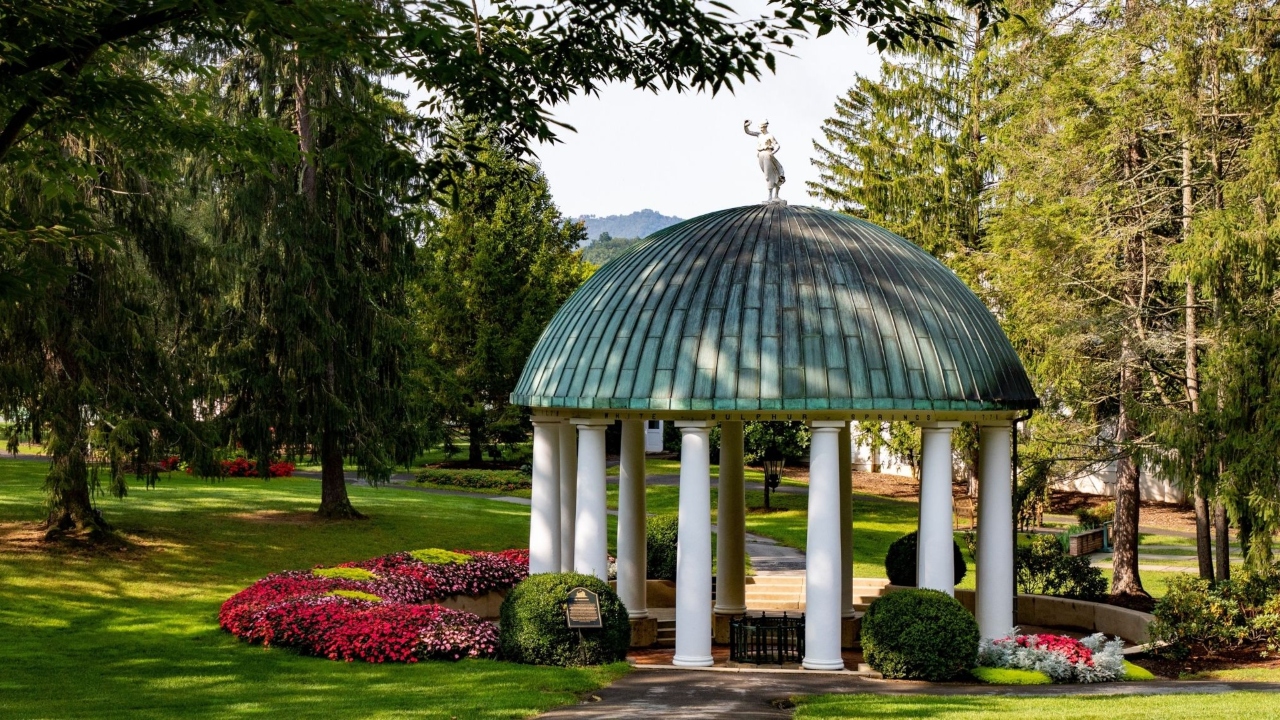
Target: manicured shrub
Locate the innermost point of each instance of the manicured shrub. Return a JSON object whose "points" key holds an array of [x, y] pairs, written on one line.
{"points": [[919, 634], [436, 556], [505, 480], [347, 573], [900, 561], [1062, 658], [377, 610], [1010, 676], [1219, 615], [1045, 568], [660, 550], [534, 628]]}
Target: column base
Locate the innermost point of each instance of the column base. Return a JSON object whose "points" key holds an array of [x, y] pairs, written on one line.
{"points": [[644, 632], [680, 661], [720, 625], [823, 664], [851, 633]]}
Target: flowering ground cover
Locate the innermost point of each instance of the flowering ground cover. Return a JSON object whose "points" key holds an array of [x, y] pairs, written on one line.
{"points": [[378, 610], [1063, 659]]}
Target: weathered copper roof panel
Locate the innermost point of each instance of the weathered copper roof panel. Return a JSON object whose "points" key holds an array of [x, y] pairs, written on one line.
{"points": [[773, 307]]}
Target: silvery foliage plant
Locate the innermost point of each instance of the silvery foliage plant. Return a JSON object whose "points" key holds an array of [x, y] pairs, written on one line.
{"points": [[1058, 657]]}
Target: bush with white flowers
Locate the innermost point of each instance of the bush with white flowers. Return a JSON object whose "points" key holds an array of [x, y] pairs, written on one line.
{"points": [[1063, 659]]}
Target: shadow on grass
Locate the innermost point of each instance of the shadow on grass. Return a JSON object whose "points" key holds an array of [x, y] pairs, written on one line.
{"points": [[135, 634]]}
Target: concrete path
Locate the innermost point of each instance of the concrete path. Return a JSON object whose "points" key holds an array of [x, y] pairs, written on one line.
{"points": [[768, 557], [678, 694]]}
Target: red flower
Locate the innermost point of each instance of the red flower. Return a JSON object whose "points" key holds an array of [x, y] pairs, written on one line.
{"points": [[300, 609]]}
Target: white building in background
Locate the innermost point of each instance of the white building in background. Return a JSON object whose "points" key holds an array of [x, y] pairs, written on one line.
{"points": [[653, 436], [1098, 479]]}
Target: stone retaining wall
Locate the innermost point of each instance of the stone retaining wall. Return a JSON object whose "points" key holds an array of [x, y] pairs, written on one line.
{"points": [[487, 606], [1055, 612]]}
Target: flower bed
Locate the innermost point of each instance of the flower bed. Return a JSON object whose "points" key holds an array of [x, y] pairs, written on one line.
{"points": [[377, 610], [1061, 658]]}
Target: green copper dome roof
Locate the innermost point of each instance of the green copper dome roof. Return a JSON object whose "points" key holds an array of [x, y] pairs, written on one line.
{"points": [[771, 307]]}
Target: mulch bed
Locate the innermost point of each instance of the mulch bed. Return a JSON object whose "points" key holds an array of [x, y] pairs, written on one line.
{"points": [[1241, 658]]}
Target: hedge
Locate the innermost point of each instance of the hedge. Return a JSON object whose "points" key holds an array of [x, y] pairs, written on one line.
{"points": [[533, 629], [507, 480], [919, 634]]}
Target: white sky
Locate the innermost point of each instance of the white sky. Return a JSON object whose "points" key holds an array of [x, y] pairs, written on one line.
{"points": [[686, 155]]}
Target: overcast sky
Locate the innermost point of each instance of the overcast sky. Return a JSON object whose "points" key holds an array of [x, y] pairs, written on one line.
{"points": [[685, 155]]}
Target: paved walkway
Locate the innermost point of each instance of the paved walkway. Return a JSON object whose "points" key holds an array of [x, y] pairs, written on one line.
{"points": [[678, 694], [768, 557]]}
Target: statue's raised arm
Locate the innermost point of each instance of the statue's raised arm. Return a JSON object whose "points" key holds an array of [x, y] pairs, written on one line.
{"points": [[766, 149]]}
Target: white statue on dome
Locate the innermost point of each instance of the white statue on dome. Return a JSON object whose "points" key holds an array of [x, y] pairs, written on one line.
{"points": [[767, 148]]}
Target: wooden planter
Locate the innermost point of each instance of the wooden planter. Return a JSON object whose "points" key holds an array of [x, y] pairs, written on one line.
{"points": [[1084, 543]]}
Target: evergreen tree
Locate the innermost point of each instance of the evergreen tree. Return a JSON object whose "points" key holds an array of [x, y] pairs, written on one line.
{"points": [[497, 263], [314, 338]]}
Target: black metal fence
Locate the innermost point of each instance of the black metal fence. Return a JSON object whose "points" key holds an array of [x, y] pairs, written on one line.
{"points": [[766, 639]]}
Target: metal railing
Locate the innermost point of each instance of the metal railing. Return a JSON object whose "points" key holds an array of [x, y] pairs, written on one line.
{"points": [[766, 639]]}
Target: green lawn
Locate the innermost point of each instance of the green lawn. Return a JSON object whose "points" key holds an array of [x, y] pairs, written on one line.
{"points": [[1121, 707], [134, 633], [667, 466]]}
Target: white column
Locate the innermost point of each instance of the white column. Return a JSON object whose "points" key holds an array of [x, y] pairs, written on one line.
{"points": [[846, 522], [693, 550], [823, 556], [731, 523], [995, 596], [631, 519], [935, 561], [568, 493], [544, 513], [591, 527]]}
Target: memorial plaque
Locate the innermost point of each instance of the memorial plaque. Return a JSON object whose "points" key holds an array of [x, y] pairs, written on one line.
{"points": [[582, 609]]}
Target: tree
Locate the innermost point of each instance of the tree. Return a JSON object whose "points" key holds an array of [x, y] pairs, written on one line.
{"points": [[101, 293], [314, 338], [87, 83], [908, 151], [497, 263]]}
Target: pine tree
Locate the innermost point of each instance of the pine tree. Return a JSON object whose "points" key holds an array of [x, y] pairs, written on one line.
{"points": [[314, 342], [498, 262]]}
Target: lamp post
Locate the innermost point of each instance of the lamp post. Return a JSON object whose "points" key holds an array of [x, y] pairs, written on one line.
{"points": [[773, 462]]}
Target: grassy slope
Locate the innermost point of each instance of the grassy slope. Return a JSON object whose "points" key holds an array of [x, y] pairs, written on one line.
{"points": [[1124, 707], [135, 634]]}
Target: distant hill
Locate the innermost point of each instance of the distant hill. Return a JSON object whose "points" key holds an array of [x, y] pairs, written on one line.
{"points": [[641, 223]]}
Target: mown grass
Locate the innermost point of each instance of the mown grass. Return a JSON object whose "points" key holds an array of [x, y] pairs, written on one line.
{"points": [[1110, 707], [134, 633]]}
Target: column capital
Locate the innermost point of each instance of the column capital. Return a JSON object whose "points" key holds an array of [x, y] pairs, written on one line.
{"points": [[940, 425], [590, 422], [695, 424], [545, 420], [835, 425], [1000, 423]]}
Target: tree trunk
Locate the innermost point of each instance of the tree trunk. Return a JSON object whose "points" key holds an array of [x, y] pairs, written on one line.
{"points": [[67, 484], [1126, 579], [334, 503], [1204, 546], [475, 437], [1221, 527]]}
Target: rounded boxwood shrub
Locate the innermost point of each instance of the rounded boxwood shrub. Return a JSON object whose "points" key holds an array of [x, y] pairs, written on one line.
{"points": [[900, 561], [660, 551], [919, 634], [533, 629]]}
